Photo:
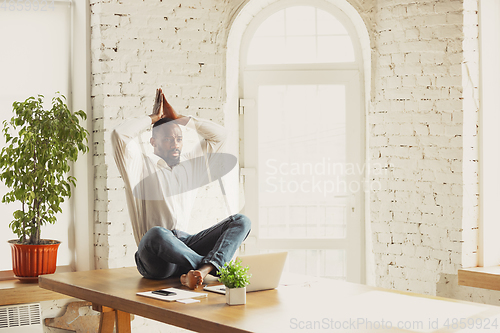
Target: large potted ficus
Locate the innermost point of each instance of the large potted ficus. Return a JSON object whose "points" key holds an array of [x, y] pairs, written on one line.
{"points": [[35, 165]]}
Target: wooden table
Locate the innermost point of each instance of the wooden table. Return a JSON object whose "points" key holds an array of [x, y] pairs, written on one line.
{"points": [[324, 305]]}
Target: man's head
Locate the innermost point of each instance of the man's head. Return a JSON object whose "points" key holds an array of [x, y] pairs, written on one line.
{"points": [[167, 140]]}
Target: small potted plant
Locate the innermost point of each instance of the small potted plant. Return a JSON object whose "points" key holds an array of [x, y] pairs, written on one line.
{"points": [[235, 278], [35, 165]]}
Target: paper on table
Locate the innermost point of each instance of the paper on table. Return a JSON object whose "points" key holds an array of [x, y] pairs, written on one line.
{"points": [[179, 294], [188, 300]]}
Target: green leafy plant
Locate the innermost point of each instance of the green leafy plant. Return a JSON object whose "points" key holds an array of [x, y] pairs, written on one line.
{"points": [[40, 144], [232, 275]]}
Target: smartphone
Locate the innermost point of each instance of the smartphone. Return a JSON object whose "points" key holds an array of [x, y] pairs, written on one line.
{"points": [[164, 292]]}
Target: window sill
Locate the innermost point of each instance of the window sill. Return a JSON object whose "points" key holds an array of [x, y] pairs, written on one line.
{"points": [[17, 292], [480, 277]]}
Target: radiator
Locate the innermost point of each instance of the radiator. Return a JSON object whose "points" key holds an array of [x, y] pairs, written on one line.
{"points": [[23, 318]]}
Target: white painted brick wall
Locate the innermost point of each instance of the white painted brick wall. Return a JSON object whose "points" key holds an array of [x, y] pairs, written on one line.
{"points": [[416, 130], [424, 128], [136, 48], [421, 125]]}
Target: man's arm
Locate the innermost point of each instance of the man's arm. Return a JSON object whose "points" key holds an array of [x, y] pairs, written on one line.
{"points": [[215, 135], [127, 153], [207, 160]]}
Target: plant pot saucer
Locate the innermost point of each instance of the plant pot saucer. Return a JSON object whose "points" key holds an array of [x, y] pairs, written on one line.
{"points": [[28, 279]]}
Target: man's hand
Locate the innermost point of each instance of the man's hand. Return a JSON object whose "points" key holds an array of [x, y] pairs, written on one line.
{"points": [[158, 107], [163, 109], [168, 110]]}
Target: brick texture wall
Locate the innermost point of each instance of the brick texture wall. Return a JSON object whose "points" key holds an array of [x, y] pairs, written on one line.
{"points": [[423, 127], [422, 123], [416, 131], [136, 48]]}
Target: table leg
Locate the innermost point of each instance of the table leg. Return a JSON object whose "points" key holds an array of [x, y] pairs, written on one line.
{"points": [[107, 322], [108, 318], [122, 322]]}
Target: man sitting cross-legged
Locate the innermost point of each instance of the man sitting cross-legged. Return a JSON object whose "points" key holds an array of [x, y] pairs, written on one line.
{"points": [[160, 196]]}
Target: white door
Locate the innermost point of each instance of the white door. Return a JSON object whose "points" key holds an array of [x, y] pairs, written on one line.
{"points": [[302, 157]]}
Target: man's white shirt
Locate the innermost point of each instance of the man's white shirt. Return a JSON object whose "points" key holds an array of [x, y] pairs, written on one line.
{"points": [[158, 195]]}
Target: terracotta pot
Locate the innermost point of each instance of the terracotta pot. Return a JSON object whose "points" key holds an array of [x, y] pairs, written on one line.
{"points": [[34, 260]]}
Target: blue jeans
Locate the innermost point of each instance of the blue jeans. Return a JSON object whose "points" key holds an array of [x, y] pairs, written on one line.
{"points": [[163, 253]]}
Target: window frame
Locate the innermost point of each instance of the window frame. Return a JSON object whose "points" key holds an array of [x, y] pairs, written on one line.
{"points": [[489, 136], [282, 4]]}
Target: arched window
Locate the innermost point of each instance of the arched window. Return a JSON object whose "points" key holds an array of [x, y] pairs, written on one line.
{"points": [[302, 137], [300, 35]]}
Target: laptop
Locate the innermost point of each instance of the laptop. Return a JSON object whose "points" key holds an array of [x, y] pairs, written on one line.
{"points": [[266, 271]]}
